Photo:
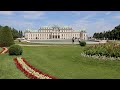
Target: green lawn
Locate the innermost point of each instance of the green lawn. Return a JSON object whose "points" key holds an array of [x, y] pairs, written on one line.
{"points": [[8, 69], [64, 62], [116, 41], [0, 49]]}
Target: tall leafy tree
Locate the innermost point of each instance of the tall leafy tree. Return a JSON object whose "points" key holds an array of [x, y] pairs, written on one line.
{"points": [[21, 33], [6, 38], [111, 34]]}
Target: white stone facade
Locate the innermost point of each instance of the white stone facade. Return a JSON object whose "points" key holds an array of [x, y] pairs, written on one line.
{"points": [[55, 32]]}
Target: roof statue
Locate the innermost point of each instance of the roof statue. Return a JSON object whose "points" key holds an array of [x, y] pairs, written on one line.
{"points": [[55, 26]]}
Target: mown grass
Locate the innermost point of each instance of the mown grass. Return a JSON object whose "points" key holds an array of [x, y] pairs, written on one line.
{"points": [[63, 62], [0, 49], [8, 68], [116, 41], [67, 63]]}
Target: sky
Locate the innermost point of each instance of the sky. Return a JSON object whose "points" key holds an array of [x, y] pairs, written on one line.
{"points": [[91, 21]]}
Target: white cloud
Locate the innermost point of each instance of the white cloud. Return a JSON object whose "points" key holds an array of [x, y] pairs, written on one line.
{"points": [[116, 17], [25, 20], [108, 13], [76, 12], [18, 24], [51, 23], [33, 14], [83, 23], [6, 12], [91, 27]]}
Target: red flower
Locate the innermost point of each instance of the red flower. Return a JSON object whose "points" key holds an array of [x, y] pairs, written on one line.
{"points": [[29, 75], [3, 50]]}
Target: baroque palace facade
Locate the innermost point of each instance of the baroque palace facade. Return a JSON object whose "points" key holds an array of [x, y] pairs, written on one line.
{"points": [[55, 32]]}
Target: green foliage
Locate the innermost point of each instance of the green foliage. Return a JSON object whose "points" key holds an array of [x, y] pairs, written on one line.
{"points": [[15, 32], [82, 43], [6, 38], [108, 50], [64, 63], [15, 50], [111, 35]]}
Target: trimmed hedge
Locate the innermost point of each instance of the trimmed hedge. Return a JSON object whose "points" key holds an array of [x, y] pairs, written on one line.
{"points": [[82, 43], [15, 50]]}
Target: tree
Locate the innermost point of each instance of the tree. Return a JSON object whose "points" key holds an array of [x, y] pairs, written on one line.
{"points": [[113, 34], [6, 38], [101, 35], [21, 34], [15, 33], [94, 35]]}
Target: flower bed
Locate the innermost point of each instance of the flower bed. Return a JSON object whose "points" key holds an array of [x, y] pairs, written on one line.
{"points": [[107, 51], [5, 50], [100, 57], [29, 70]]}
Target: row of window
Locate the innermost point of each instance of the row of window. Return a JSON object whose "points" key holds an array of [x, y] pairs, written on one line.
{"points": [[38, 35], [38, 38], [55, 31], [54, 28], [35, 35], [48, 38]]}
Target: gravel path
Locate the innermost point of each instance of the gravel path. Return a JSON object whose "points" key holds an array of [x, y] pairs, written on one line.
{"points": [[35, 45], [58, 43]]}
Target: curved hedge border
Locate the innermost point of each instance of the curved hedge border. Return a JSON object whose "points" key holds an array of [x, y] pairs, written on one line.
{"points": [[30, 71], [5, 50]]}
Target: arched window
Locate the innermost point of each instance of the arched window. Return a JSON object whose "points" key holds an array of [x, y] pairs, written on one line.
{"points": [[58, 36]]}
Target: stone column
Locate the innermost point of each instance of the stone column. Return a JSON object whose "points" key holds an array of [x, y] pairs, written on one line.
{"points": [[57, 35]]}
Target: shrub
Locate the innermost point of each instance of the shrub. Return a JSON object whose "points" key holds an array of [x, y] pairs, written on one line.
{"points": [[82, 43], [6, 38], [15, 50], [108, 50]]}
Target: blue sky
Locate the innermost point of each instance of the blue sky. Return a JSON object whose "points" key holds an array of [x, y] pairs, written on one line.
{"points": [[91, 21]]}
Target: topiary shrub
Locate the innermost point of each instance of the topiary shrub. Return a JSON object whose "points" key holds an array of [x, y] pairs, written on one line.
{"points": [[15, 50], [6, 38], [82, 43]]}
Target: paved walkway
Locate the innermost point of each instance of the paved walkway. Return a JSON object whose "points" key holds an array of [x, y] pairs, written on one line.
{"points": [[35, 45], [57, 43]]}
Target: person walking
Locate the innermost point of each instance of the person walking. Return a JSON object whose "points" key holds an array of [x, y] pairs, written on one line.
{"points": [[73, 40]]}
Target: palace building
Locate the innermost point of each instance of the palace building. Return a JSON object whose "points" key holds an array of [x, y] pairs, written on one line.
{"points": [[55, 32]]}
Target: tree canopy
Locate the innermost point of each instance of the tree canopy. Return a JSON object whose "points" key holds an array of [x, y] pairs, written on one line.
{"points": [[15, 33], [6, 38], [110, 34]]}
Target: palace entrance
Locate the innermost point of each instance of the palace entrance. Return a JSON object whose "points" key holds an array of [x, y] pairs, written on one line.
{"points": [[54, 36]]}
